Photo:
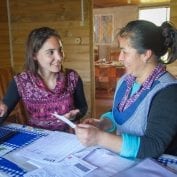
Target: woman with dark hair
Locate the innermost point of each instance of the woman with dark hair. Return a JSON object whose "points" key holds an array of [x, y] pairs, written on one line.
{"points": [[45, 86], [144, 111]]}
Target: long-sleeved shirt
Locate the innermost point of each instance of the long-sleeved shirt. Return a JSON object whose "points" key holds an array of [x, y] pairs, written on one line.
{"points": [[46, 101], [154, 131]]}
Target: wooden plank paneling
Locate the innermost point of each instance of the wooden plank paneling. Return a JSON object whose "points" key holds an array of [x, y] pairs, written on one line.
{"points": [[4, 36], [63, 15], [173, 11], [55, 10]]}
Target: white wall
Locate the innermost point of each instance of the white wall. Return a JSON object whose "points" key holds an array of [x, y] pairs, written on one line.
{"points": [[121, 15]]}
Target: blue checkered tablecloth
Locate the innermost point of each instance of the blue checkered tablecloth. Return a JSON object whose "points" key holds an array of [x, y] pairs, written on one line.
{"points": [[25, 135]]}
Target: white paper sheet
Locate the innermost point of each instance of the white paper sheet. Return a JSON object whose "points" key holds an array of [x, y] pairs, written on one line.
{"points": [[52, 148], [64, 119], [69, 167], [4, 149], [97, 162], [108, 163]]}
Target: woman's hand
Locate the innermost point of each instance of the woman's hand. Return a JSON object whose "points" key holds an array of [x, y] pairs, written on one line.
{"points": [[102, 124], [88, 134], [92, 121], [72, 114], [3, 108]]}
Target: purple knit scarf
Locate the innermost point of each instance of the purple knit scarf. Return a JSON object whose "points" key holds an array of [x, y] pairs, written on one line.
{"points": [[126, 100]]}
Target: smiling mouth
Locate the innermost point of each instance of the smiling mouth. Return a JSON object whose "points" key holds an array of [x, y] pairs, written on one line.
{"points": [[56, 64]]}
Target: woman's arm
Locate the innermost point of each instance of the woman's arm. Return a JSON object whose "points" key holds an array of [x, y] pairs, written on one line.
{"points": [[11, 97], [161, 124], [80, 100], [160, 132], [90, 135]]}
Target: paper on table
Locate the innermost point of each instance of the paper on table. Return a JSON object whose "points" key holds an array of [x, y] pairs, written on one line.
{"points": [[52, 148], [64, 119], [147, 167], [111, 164], [70, 167], [4, 149], [88, 164]]}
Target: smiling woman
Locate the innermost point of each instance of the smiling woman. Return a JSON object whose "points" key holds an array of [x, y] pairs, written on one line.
{"points": [[45, 86], [145, 98]]}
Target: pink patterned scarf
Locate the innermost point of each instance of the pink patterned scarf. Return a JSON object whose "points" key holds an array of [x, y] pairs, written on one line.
{"points": [[126, 100]]}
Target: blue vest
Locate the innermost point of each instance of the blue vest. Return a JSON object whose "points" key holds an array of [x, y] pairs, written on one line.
{"points": [[134, 118]]}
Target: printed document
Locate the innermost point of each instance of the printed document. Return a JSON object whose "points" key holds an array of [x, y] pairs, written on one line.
{"points": [[89, 162], [70, 167], [51, 148]]}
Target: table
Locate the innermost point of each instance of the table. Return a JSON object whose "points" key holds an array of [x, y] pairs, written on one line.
{"points": [[16, 166], [13, 165], [106, 76]]}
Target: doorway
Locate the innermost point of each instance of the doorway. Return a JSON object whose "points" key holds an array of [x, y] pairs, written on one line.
{"points": [[106, 52]]}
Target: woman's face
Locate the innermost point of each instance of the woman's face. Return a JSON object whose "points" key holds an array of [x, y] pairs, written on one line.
{"points": [[130, 58], [50, 56]]}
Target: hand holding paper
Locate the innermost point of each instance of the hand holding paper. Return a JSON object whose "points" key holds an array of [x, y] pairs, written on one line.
{"points": [[64, 119]]}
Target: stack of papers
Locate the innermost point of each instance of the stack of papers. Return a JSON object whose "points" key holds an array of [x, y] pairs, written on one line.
{"points": [[90, 162], [61, 154], [69, 167], [52, 148]]}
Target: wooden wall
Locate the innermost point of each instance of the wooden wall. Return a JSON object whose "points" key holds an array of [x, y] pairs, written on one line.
{"points": [[65, 17], [173, 11], [4, 35]]}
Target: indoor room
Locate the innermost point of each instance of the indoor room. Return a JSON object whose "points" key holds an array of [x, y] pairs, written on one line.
{"points": [[60, 111]]}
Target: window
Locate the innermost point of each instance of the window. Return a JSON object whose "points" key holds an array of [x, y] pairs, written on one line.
{"points": [[156, 15]]}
